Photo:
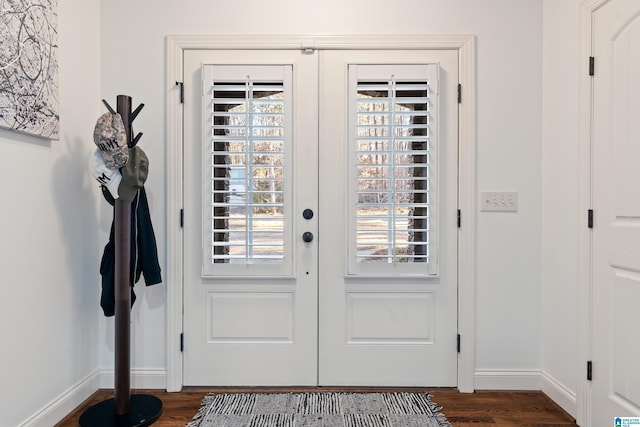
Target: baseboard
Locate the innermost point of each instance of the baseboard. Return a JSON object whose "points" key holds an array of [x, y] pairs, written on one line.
{"points": [[140, 378], [64, 404], [560, 394], [507, 379]]}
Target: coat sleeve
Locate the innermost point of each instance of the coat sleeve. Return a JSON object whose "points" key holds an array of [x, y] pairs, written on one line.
{"points": [[148, 263]]}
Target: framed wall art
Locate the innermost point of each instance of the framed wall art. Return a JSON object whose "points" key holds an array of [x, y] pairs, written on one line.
{"points": [[29, 67]]}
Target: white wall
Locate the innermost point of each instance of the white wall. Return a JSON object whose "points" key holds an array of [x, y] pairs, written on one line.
{"points": [[509, 88], [561, 189], [49, 245], [54, 224]]}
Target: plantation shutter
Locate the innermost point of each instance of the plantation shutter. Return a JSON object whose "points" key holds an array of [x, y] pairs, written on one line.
{"points": [[393, 170], [246, 157]]}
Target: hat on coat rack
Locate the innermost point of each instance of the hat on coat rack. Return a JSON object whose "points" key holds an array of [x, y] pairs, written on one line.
{"points": [[111, 138], [110, 178], [134, 174]]}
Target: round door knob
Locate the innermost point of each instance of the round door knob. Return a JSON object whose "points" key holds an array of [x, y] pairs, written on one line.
{"points": [[307, 236]]}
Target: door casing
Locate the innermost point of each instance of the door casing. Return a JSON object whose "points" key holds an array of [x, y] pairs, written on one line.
{"points": [[464, 44]]}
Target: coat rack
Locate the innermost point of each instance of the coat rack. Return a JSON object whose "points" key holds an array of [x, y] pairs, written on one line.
{"points": [[124, 409]]}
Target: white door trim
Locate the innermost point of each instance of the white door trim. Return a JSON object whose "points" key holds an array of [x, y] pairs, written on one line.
{"points": [[585, 290], [465, 44]]}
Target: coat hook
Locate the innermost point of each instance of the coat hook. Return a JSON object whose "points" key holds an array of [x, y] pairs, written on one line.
{"points": [[136, 139], [108, 106], [135, 113]]}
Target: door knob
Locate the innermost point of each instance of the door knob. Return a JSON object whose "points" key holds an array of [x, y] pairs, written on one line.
{"points": [[307, 236]]}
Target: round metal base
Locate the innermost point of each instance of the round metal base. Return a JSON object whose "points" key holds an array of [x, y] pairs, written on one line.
{"points": [[144, 410]]}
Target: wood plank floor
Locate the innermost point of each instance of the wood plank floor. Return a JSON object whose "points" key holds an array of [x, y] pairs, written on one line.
{"points": [[490, 408]]}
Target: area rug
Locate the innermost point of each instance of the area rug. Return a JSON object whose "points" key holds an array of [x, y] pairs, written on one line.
{"points": [[319, 410]]}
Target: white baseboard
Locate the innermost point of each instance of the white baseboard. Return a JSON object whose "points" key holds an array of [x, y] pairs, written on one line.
{"points": [[560, 394], [140, 378], [60, 407], [507, 379], [64, 404]]}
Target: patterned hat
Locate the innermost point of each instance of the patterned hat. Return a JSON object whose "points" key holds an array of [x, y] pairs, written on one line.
{"points": [[111, 138]]}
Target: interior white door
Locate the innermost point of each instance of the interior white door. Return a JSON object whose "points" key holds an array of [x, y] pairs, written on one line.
{"points": [[616, 204], [388, 228], [250, 281]]}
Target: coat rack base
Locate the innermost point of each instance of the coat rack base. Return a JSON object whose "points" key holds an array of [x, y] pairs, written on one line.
{"points": [[144, 410]]}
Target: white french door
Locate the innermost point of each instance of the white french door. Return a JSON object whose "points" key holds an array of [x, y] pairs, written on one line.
{"points": [[388, 194], [250, 162], [320, 197]]}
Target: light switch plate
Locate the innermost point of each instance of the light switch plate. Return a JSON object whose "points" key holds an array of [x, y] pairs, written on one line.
{"points": [[499, 201]]}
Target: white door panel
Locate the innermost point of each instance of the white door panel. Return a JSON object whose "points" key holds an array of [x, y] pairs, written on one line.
{"points": [[250, 290], [385, 321], [616, 204]]}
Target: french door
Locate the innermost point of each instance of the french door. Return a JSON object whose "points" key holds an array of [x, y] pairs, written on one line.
{"points": [[320, 198]]}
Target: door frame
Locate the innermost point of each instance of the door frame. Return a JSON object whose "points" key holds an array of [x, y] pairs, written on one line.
{"points": [[583, 395], [464, 44]]}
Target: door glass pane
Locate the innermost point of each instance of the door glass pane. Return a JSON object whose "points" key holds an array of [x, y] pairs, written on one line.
{"points": [[392, 160], [248, 129]]}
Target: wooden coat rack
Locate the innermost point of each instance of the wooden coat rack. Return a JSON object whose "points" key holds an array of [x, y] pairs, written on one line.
{"points": [[124, 409]]}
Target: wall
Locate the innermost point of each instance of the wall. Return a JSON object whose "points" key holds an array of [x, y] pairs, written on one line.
{"points": [[49, 246], [54, 224], [509, 76], [561, 189]]}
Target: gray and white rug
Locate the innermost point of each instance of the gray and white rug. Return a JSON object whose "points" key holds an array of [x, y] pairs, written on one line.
{"points": [[319, 410]]}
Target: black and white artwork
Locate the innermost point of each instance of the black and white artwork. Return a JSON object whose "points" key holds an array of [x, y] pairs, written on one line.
{"points": [[29, 67]]}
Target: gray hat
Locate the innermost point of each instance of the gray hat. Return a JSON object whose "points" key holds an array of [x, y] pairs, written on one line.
{"points": [[134, 174], [110, 136]]}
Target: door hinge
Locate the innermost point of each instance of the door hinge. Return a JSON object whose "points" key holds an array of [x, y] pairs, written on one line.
{"points": [[592, 66], [459, 218], [589, 370], [181, 84], [590, 218], [459, 93], [181, 342], [181, 218], [458, 343]]}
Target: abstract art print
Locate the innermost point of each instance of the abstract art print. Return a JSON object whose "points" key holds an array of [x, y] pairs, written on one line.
{"points": [[29, 67]]}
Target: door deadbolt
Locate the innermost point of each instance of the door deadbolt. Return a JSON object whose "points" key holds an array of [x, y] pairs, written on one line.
{"points": [[307, 214]]}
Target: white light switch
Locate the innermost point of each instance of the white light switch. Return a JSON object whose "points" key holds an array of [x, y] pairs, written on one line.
{"points": [[498, 201]]}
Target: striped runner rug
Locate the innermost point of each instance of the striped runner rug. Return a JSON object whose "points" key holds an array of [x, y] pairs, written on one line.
{"points": [[319, 410]]}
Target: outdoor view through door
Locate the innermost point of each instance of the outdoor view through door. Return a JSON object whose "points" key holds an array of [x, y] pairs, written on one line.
{"points": [[391, 151], [247, 177], [321, 184]]}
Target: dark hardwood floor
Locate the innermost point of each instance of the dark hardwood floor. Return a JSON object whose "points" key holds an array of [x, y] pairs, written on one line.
{"points": [[491, 408]]}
